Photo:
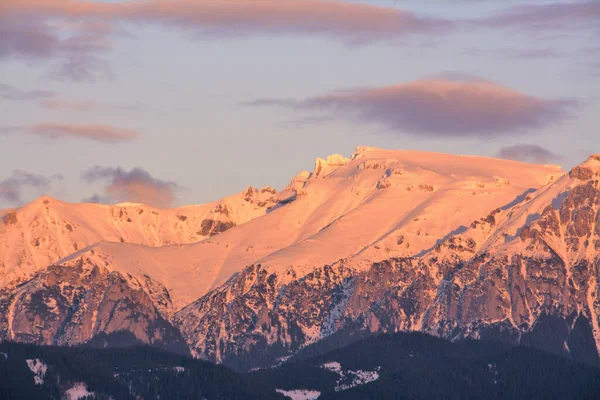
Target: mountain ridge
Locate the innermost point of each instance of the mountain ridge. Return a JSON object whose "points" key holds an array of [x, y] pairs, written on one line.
{"points": [[382, 241]]}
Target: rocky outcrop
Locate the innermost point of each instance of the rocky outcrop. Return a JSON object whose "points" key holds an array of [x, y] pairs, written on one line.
{"points": [[210, 227], [322, 166], [587, 170], [72, 305]]}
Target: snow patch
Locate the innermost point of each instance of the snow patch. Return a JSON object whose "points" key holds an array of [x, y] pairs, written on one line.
{"points": [[78, 391], [333, 366], [38, 367], [349, 379], [179, 369], [51, 304], [300, 394]]}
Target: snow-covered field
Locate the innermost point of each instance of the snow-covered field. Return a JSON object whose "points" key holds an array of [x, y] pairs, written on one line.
{"points": [[300, 394]]}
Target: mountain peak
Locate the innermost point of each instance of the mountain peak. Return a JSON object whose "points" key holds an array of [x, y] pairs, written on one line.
{"points": [[332, 160], [364, 149], [588, 169]]}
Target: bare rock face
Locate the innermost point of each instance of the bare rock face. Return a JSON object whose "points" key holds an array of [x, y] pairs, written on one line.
{"points": [[588, 170], [256, 310], [71, 305], [211, 227], [10, 218]]}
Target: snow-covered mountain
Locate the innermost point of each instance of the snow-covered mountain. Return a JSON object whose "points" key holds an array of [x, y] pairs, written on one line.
{"points": [[527, 272], [47, 230], [372, 206], [457, 246]]}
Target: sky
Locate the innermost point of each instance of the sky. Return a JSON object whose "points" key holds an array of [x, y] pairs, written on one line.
{"points": [[173, 102]]}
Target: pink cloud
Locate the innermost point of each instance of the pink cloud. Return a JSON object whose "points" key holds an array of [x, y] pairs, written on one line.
{"points": [[99, 133], [136, 185], [34, 29], [438, 107], [353, 21]]}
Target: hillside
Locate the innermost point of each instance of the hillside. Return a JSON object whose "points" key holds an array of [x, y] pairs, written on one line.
{"points": [[33, 372], [417, 366]]}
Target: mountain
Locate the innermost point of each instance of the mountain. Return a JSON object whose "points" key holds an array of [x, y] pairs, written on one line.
{"points": [[336, 212], [383, 241], [44, 302], [47, 230], [418, 366], [526, 272], [34, 372]]}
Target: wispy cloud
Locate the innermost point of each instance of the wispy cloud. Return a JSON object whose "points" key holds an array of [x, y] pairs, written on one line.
{"points": [[10, 93], [438, 108], [517, 53], [89, 105], [99, 133], [12, 187], [53, 104], [136, 185], [50, 100], [532, 153], [553, 16]]}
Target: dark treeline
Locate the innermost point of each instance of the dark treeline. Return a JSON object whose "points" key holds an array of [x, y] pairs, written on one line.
{"points": [[418, 366], [410, 366], [120, 373]]}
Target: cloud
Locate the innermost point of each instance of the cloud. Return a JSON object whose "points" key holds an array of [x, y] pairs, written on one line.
{"points": [[54, 104], [549, 15], [438, 107], [518, 53], [98, 199], [136, 185], [49, 100], [26, 37], [99, 133], [89, 105], [11, 188], [75, 48], [10, 93], [532, 153], [351, 21], [75, 35], [82, 67]]}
